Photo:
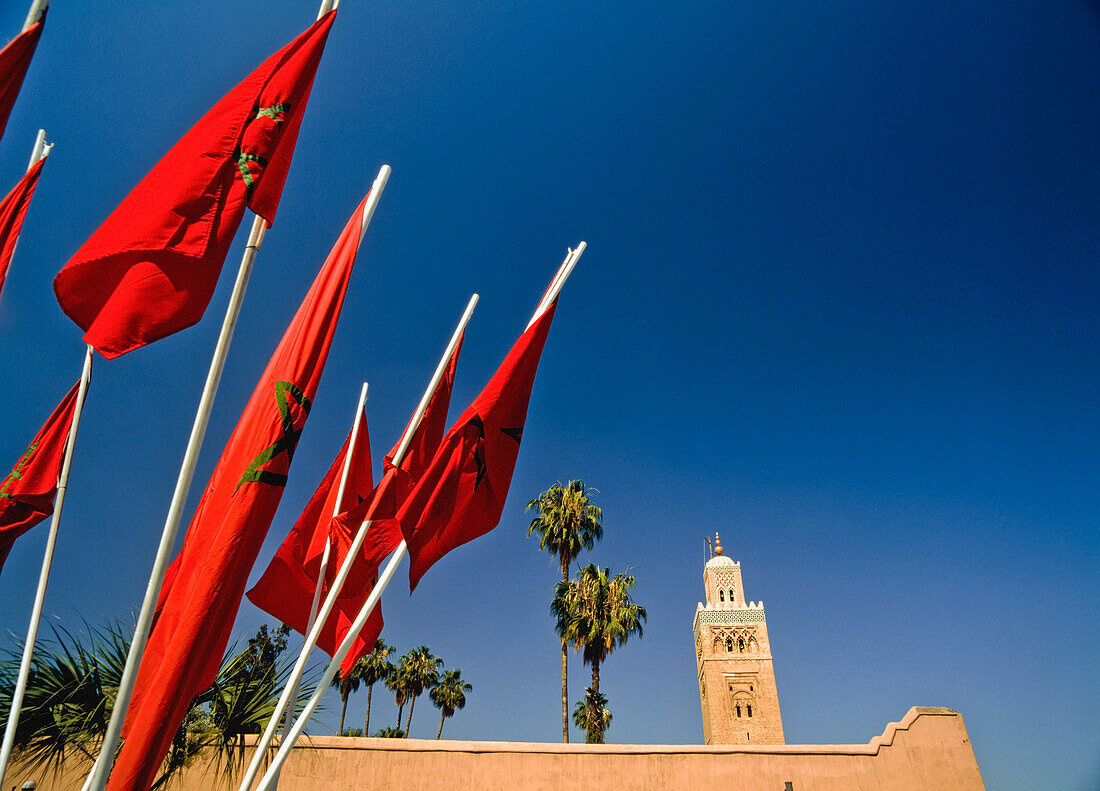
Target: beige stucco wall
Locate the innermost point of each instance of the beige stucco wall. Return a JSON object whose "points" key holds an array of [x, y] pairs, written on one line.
{"points": [[928, 749]]}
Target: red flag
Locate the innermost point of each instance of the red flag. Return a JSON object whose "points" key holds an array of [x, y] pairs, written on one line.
{"points": [[385, 534], [15, 59], [150, 269], [286, 590], [461, 495], [26, 495], [12, 211], [196, 610]]}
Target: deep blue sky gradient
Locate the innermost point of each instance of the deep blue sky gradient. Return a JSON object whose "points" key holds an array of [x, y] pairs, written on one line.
{"points": [[838, 304]]}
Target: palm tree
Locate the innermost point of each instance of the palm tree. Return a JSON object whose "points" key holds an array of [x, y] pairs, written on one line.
{"points": [[74, 682], [346, 684], [449, 695], [390, 733], [592, 702], [373, 668], [596, 614], [395, 683], [420, 671], [566, 524]]}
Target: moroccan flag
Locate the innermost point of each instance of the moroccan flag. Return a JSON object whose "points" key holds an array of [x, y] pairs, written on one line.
{"points": [[285, 591], [385, 534], [150, 269], [15, 59], [207, 580], [26, 495], [12, 211], [286, 588], [461, 495]]}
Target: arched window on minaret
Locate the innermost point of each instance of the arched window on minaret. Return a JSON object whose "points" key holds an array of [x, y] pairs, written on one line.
{"points": [[739, 710], [741, 644], [729, 644], [731, 596], [721, 596], [750, 710]]}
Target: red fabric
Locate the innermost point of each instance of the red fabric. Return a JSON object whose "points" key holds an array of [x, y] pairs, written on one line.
{"points": [[462, 494], [286, 589], [385, 533], [26, 495], [150, 269], [15, 59], [12, 211], [196, 611]]}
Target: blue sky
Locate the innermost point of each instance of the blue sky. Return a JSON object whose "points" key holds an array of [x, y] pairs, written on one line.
{"points": [[838, 305]]}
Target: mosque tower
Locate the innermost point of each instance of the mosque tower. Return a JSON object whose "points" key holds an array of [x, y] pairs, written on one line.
{"points": [[736, 680]]}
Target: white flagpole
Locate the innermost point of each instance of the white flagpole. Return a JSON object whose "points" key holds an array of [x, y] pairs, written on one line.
{"points": [[97, 779], [102, 768], [38, 8], [41, 150], [44, 575], [328, 543], [271, 777], [345, 567]]}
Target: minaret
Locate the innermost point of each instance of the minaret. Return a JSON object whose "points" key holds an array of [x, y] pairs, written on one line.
{"points": [[736, 680]]}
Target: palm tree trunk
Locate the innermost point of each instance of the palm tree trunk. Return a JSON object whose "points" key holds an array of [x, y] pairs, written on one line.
{"points": [[343, 710], [564, 668], [439, 733], [400, 708], [366, 722], [595, 717], [409, 721]]}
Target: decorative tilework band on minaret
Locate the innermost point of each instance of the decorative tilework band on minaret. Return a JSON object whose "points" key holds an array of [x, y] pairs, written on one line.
{"points": [[737, 689]]}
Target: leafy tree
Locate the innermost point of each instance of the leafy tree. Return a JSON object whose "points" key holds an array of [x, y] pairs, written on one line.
{"points": [[373, 667], [596, 613], [449, 695], [566, 524], [419, 671], [586, 706], [265, 648]]}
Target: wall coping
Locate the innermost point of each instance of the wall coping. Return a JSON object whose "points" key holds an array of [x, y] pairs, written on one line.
{"points": [[448, 746]]}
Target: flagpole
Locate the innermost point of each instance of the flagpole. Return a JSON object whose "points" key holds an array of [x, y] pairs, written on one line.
{"points": [[44, 575], [41, 150], [271, 777], [38, 8], [345, 567], [328, 543], [102, 769], [562, 274]]}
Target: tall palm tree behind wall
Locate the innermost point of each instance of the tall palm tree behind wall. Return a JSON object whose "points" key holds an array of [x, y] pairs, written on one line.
{"points": [[395, 683], [420, 670], [596, 613], [373, 668], [449, 695], [567, 523], [346, 684]]}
